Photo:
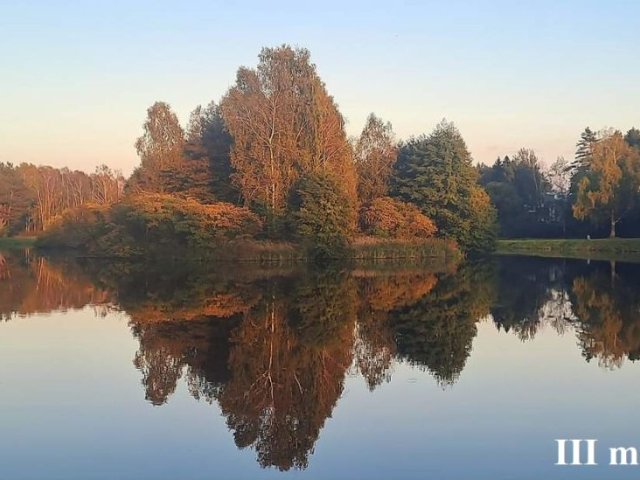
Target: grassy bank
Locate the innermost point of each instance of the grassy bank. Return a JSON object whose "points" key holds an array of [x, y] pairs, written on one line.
{"points": [[16, 242], [598, 249], [375, 249]]}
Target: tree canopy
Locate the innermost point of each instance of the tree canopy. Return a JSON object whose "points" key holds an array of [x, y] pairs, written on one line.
{"points": [[436, 174], [161, 151], [284, 125], [609, 189], [375, 154]]}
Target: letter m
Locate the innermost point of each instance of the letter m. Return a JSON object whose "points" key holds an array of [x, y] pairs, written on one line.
{"points": [[620, 456]]}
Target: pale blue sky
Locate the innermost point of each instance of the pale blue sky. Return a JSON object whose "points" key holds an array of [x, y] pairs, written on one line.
{"points": [[76, 77]]}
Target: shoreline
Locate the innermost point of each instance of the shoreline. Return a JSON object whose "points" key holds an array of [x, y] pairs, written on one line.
{"points": [[366, 249], [17, 242], [611, 249]]}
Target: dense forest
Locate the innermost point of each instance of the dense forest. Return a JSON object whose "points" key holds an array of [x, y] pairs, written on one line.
{"points": [[270, 161], [33, 197], [596, 194]]}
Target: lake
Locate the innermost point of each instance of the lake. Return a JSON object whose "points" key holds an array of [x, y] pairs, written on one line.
{"points": [[178, 371]]}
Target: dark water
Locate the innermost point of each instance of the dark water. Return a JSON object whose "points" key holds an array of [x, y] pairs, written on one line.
{"points": [[449, 372]]}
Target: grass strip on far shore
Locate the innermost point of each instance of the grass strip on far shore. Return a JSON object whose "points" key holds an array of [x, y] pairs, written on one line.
{"points": [[597, 249]]}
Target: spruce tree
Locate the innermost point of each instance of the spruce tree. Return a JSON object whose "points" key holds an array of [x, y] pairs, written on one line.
{"points": [[633, 138], [436, 174]]}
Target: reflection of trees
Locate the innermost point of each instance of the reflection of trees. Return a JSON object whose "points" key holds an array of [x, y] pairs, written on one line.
{"points": [[558, 311], [380, 294], [608, 311], [322, 303], [523, 290], [426, 320], [603, 307], [438, 330], [288, 362], [272, 347], [183, 318], [163, 292], [166, 349], [31, 284], [281, 390], [275, 366]]}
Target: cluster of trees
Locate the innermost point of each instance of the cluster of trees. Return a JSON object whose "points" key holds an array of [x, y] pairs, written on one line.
{"points": [[33, 197], [275, 145], [597, 193]]}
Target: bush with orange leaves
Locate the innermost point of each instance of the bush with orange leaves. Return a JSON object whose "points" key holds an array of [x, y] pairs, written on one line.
{"points": [[76, 227], [151, 221], [390, 218], [156, 220]]}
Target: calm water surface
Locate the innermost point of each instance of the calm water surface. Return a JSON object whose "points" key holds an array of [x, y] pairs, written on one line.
{"points": [[448, 372]]}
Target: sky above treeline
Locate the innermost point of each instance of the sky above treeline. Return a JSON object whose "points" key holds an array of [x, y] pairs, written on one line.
{"points": [[76, 78]]}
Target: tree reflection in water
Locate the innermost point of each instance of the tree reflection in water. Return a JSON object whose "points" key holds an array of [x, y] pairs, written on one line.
{"points": [[31, 284], [272, 346], [608, 306]]}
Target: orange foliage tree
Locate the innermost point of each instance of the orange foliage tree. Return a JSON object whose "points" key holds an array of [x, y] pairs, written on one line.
{"points": [[375, 153], [284, 124], [161, 151], [609, 189]]}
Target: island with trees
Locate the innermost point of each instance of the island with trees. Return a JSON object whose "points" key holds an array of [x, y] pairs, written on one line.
{"points": [[268, 171]]}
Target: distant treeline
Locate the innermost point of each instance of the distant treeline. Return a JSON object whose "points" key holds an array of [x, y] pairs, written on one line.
{"points": [[33, 197], [596, 194], [271, 160]]}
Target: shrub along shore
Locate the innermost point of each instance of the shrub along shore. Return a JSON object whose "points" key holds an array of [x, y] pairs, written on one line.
{"points": [[160, 226]]}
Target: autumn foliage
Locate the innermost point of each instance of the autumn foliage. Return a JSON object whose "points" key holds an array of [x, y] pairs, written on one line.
{"points": [[391, 218], [375, 153], [271, 160], [153, 215], [151, 221], [32, 198], [609, 188], [284, 125]]}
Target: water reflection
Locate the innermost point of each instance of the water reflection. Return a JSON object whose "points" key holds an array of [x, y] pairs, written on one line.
{"points": [[608, 307], [272, 346], [32, 284]]}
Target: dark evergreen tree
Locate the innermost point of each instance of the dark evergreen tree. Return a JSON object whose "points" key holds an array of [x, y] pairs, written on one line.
{"points": [[633, 137], [437, 331], [436, 174], [320, 215], [207, 151], [519, 190], [583, 152]]}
